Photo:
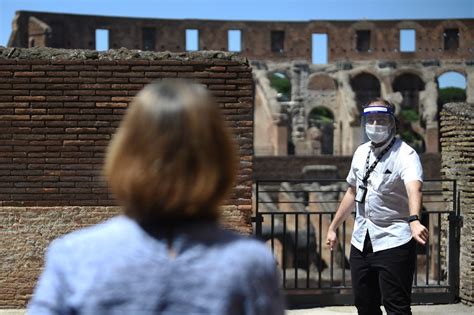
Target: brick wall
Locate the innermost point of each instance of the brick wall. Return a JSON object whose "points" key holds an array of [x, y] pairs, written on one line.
{"points": [[290, 167], [457, 143], [58, 110]]}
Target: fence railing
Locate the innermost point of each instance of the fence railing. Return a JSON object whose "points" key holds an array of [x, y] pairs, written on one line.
{"points": [[293, 217]]}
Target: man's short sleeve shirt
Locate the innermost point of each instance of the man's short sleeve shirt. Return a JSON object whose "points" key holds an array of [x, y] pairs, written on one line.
{"points": [[385, 210]]}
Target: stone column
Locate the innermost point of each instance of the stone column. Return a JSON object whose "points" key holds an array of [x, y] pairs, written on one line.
{"points": [[429, 101]]}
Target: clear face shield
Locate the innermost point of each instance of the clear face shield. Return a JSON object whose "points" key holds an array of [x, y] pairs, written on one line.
{"points": [[377, 124]]}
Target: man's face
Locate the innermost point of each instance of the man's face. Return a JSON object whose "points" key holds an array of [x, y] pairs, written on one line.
{"points": [[378, 119]]}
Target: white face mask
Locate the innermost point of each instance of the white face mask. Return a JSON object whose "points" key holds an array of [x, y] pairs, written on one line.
{"points": [[377, 133]]}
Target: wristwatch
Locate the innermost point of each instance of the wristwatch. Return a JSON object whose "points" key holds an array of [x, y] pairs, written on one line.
{"points": [[413, 218]]}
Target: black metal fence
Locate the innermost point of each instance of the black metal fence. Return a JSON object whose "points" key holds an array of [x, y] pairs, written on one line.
{"points": [[293, 217]]}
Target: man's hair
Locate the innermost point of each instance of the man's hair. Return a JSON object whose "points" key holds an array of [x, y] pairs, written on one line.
{"points": [[172, 157]]}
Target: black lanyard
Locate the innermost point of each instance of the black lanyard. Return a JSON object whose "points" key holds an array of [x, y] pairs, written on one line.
{"points": [[368, 170]]}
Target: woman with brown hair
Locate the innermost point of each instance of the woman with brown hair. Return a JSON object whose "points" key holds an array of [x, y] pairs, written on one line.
{"points": [[170, 164]]}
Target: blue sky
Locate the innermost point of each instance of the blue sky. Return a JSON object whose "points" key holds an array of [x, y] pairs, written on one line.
{"points": [[245, 9]]}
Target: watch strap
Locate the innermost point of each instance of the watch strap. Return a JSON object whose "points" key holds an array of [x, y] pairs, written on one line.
{"points": [[413, 218]]}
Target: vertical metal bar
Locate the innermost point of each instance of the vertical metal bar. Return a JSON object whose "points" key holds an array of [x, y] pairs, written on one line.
{"points": [[295, 256], [343, 262], [308, 264], [439, 248], [453, 251], [320, 248], [427, 264], [332, 260], [455, 195], [258, 219], [284, 251], [272, 231], [415, 277]]}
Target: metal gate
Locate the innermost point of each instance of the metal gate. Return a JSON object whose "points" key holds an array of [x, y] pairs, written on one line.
{"points": [[293, 217]]}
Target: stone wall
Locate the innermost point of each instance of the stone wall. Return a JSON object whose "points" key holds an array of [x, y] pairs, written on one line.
{"points": [[457, 143], [291, 167], [67, 31], [58, 110]]}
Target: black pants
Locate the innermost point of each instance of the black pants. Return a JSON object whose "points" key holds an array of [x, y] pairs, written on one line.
{"points": [[383, 277]]}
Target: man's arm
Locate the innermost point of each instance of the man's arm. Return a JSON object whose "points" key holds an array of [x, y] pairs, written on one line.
{"points": [[418, 230], [344, 210]]}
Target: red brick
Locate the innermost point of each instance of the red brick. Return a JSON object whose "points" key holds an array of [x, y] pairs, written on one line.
{"points": [[111, 92], [63, 73], [29, 74], [80, 80], [31, 86], [81, 130], [14, 92], [112, 80], [63, 86], [47, 80], [29, 98], [31, 111], [96, 86], [111, 104], [46, 67], [64, 98], [14, 117], [81, 68], [79, 92], [160, 74], [94, 98]]}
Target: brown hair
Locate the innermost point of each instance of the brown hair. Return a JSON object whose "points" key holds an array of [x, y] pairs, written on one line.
{"points": [[172, 157], [383, 102]]}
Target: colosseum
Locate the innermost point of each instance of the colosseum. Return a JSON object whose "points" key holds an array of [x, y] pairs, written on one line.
{"points": [[302, 107], [306, 83]]}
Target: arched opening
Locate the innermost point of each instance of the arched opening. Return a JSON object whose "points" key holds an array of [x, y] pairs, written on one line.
{"points": [[409, 85], [321, 130], [451, 88], [366, 87], [282, 84]]}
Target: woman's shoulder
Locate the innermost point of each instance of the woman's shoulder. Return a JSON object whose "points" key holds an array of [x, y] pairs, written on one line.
{"points": [[247, 249], [98, 235]]}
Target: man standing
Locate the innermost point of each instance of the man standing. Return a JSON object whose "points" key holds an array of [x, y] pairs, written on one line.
{"points": [[385, 187]]}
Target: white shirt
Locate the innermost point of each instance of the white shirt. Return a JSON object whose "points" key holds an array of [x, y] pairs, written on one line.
{"points": [[385, 211]]}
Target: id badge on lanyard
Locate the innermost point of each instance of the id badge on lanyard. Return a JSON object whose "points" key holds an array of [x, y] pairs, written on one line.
{"points": [[361, 193]]}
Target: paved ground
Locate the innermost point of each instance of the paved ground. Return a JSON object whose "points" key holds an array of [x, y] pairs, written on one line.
{"points": [[445, 309]]}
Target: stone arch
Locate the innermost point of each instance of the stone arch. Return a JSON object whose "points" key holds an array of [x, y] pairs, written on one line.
{"points": [[411, 127], [409, 85], [321, 130], [366, 87], [281, 82], [455, 92], [321, 82]]}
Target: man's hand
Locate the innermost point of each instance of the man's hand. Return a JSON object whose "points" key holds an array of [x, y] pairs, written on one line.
{"points": [[419, 232], [331, 239]]}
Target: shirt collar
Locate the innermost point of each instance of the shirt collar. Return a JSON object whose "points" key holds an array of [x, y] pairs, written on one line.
{"points": [[381, 148]]}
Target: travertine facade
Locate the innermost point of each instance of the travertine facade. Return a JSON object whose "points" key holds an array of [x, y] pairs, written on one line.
{"points": [[365, 59]]}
